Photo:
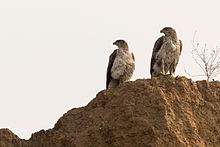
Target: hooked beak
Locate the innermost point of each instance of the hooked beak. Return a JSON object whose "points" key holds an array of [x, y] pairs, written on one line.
{"points": [[161, 31]]}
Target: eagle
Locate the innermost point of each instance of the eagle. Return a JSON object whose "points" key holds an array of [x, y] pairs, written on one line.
{"points": [[120, 66], [166, 52]]}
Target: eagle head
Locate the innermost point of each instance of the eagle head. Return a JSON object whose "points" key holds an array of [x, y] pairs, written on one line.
{"points": [[168, 31], [121, 44]]}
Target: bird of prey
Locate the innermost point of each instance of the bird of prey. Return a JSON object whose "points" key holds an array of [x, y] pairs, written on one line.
{"points": [[166, 52], [120, 66]]}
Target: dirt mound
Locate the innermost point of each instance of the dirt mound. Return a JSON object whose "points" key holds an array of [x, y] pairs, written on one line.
{"points": [[161, 111]]}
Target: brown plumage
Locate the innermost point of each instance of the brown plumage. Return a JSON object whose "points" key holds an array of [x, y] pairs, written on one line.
{"points": [[120, 66], [166, 52]]}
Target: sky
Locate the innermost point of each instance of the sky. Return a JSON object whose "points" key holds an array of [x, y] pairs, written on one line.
{"points": [[54, 54]]}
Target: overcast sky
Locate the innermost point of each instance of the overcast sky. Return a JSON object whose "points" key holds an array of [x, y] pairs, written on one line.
{"points": [[54, 54]]}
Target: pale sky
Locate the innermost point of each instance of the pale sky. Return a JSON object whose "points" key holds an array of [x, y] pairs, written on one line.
{"points": [[54, 53]]}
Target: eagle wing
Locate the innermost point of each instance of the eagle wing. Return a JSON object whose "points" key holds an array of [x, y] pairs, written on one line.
{"points": [[110, 64], [132, 54], [181, 46], [156, 48]]}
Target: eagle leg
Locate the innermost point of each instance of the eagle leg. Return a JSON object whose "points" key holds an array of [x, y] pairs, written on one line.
{"points": [[162, 66], [113, 83], [172, 71]]}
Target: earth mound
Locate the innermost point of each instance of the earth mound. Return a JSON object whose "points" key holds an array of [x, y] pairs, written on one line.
{"points": [[162, 111]]}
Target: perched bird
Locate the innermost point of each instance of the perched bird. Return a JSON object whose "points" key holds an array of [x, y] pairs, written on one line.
{"points": [[120, 66], [166, 52]]}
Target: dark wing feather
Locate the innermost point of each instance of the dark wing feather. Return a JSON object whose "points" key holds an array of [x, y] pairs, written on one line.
{"points": [[110, 64], [133, 56], [181, 46], [156, 48]]}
